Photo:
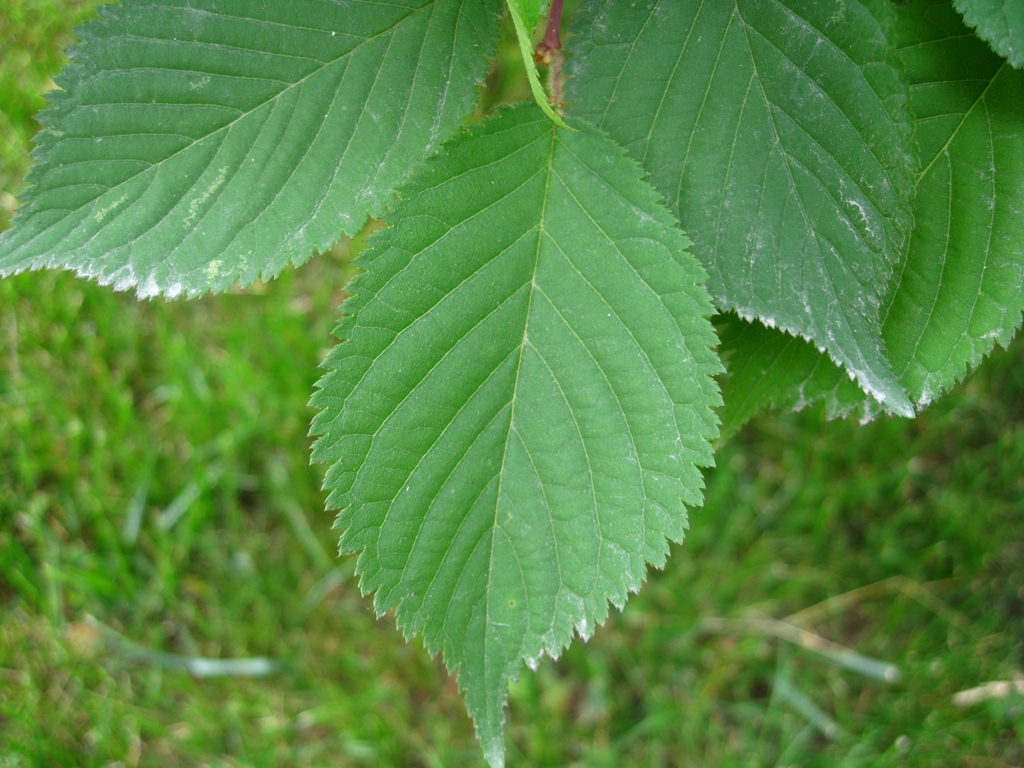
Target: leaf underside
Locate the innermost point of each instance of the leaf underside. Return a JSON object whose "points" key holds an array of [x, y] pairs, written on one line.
{"points": [[199, 143], [779, 134], [771, 369], [516, 420]]}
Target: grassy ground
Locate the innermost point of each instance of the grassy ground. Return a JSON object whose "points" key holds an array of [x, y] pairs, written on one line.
{"points": [[156, 506]]}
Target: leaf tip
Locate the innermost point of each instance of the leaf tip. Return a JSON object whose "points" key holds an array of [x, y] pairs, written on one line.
{"points": [[494, 752]]}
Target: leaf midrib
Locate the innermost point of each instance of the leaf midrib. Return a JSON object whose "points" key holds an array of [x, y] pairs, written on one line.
{"points": [[496, 526], [960, 124], [943, 152], [443, 357]]}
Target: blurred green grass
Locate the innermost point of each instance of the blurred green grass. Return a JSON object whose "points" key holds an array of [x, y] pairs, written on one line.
{"points": [[156, 504]]}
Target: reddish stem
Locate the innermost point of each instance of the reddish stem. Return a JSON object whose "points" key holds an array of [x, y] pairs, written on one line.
{"points": [[549, 53], [552, 39]]}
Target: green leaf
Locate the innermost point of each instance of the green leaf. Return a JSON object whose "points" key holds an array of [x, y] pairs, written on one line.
{"points": [[198, 143], [1000, 22], [530, 11], [961, 287], [516, 420], [767, 368], [959, 290], [523, 34], [779, 134]]}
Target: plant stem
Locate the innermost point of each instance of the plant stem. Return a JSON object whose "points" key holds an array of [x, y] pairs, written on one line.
{"points": [[549, 53]]}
